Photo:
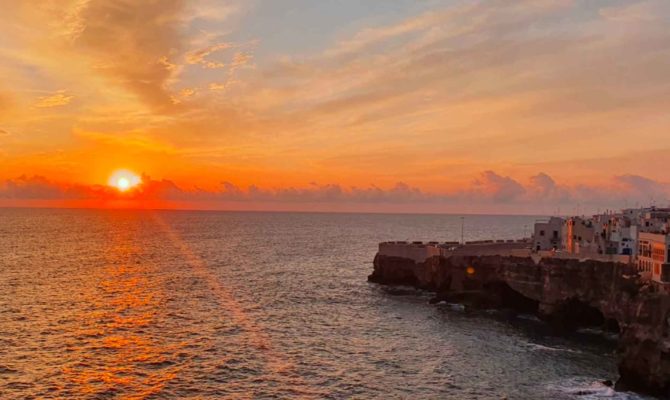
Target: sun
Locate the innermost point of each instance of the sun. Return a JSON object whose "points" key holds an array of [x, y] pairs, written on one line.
{"points": [[124, 180]]}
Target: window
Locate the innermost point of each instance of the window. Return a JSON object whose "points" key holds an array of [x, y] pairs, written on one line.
{"points": [[665, 276], [541, 233]]}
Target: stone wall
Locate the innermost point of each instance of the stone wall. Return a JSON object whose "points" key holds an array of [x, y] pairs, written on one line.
{"points": [[412, 251]]}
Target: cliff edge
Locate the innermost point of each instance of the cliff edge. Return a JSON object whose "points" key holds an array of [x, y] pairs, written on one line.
{"points": [[567, 293]]}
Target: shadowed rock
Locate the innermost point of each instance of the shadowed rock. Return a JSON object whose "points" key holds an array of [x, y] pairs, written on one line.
{"points": [[567, 293]]}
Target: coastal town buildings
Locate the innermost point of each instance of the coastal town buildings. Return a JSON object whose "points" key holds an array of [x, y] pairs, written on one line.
{"points": [[640, 237]]}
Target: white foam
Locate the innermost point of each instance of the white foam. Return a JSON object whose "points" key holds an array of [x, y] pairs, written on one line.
{"points": [[539, 347], [589, 389]]}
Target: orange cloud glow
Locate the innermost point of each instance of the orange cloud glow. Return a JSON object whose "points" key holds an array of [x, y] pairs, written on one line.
{"points": [[490, 191], [274, 98]]}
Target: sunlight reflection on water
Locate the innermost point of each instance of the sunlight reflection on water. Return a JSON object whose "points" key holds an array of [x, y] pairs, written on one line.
{"points": [[123, 304]]}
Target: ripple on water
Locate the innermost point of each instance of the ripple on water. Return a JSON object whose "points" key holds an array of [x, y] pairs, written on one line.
{"points": [[124, 304]]}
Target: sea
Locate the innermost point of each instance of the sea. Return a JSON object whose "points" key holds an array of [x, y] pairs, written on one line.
{"points": [[123, 304]]}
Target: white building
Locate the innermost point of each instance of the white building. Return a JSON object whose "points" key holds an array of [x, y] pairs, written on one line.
{"points": [[547, 234], [653, 219], [579, 237], [627, 238], [616, 234]]}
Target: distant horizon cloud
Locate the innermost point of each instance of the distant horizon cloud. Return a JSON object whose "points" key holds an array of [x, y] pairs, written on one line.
{"points": [[489, 191]]}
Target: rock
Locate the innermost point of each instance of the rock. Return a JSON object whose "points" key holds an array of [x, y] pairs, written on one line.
{"points": [[567, 293]]}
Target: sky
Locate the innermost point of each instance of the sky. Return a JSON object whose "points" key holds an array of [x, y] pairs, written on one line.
{"points": [[532, 107]]}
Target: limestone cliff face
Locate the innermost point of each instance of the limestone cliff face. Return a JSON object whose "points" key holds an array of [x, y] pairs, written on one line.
{"points": [[565, 292]]}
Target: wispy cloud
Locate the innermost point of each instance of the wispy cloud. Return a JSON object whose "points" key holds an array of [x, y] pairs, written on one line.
{"points": [[60, 98], [135, 52], [430, 98], [200, 56], [634, 11]]}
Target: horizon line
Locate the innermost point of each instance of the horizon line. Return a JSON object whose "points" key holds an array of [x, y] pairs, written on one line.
{"points": [[21, 207]]}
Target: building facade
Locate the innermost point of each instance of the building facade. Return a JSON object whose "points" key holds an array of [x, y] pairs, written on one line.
{"points": [[547, 234], [653, 258], [579, 236]]}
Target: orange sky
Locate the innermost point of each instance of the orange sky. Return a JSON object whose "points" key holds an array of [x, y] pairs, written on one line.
{"points": [[394, 105]]}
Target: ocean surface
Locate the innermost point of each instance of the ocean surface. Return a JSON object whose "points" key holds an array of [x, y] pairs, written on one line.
{"points": [[168, 304]]}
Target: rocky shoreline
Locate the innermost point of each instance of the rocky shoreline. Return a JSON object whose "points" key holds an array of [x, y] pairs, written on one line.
{"points": [[566, 293]]}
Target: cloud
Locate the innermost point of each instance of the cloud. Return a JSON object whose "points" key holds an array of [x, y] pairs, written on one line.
{"points": [[3, 132], [543, 184], [510, 87], [40, 188], [215, 10], [543, 188], [133, 44], [399, 193], [238, 60], [200, 56], [635, 11], [497, 187], [217, 86], [187, 92], [241, 59], [476, 80], [58, 99], [642, 188], [489, 191]]}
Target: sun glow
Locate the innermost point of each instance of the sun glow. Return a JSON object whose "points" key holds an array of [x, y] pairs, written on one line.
{"points": [[124, 180]]}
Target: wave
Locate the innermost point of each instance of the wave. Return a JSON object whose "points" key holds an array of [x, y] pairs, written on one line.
{"points": [[539, 347], [590, 389]]}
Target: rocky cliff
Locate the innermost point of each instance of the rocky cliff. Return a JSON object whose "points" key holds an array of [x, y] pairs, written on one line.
{"points": [[566, 293]]}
